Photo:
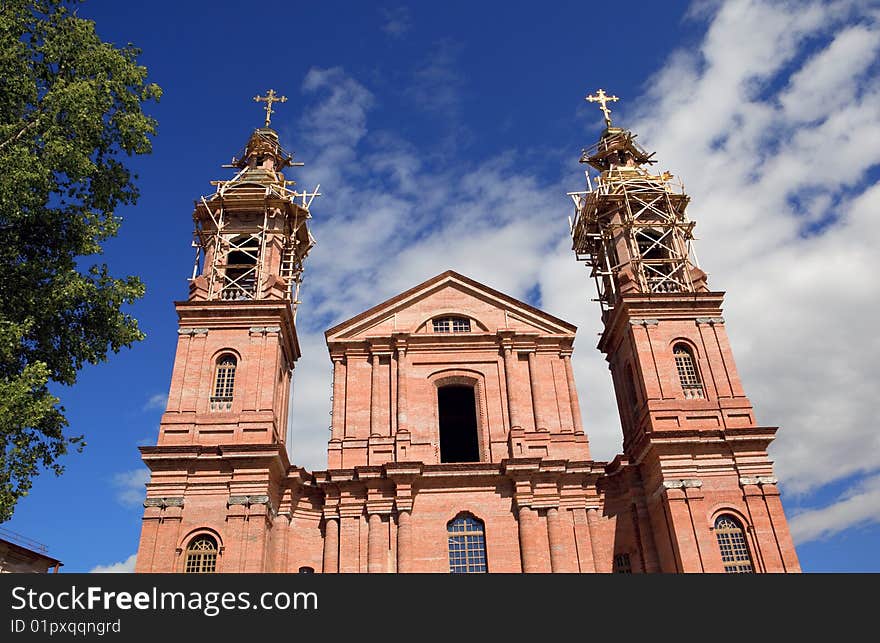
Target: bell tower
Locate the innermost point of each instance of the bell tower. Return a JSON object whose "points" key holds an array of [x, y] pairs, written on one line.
{"points": [[237, 337], [217, 472], [690, 437]]}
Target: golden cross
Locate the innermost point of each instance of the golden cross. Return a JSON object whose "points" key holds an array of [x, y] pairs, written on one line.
{"points": [[603, 99], [269, 98]]}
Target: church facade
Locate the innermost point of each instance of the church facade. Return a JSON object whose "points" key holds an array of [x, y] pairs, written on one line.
{"points": [[457, 443]]}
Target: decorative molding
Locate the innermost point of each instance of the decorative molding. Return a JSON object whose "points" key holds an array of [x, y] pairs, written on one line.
{"points": [[247, 501], [173, 501], [686, 483], [760, 480], [192, 331], [644, 322], [710, 320]]}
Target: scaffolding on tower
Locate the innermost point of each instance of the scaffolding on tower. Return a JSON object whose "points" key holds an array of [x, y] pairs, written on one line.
{"points": [[630, 225], [236, 253]]}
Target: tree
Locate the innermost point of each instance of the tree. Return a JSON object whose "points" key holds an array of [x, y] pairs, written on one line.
{"points": [[70, 112]]}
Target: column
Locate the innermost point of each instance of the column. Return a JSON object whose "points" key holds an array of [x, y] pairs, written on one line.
{"points": [[555, 535], [573, 396], [401, 390], [780, 528], [404, 542], [255, 558], [331, 545], [375, 545], [149, 537], [765, 535], [349, 544], [681, 529], [528, 540], [375, 398], [593, 525], [338, 431], [583, 541], [646, 535], [513, 406], [537, 388]]}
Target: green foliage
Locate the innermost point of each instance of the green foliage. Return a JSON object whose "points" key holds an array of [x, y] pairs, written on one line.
{"points": [[70, 112]]}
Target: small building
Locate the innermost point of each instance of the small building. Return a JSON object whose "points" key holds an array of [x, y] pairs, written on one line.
{"points": [[21, 555]]}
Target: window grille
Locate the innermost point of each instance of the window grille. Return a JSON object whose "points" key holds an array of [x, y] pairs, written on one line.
{"points": [[224, 384], [201, 556], [622, 564], [687, 372], [452, 325], [732, 542], [467, 546]]}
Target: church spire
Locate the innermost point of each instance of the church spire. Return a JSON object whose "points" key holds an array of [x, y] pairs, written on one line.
{"points": [[630, 224], [253, 231], [689, 430]]}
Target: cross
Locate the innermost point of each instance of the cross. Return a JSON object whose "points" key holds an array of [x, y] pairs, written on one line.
{"points": [[603, 99], [269, 98]]}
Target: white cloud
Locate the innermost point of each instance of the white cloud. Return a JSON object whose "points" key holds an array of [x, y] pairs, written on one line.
{"points": [[396, 21], [122, 567], [158, 401], [774, 127], [437, 83], [776, 138], [859, 506], [130, 486]]}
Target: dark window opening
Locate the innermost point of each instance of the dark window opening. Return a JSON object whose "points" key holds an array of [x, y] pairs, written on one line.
{"points": [[658, 260], [458, 424], [622, 564], [240, 275]]}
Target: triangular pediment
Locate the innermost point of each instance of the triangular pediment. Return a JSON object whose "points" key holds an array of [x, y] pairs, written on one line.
{"points": [[449, 294]]}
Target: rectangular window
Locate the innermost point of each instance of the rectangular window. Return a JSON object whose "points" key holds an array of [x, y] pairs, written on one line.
{"points": [[452, 325], [622, 564]]}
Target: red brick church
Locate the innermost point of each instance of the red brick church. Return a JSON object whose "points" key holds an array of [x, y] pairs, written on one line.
{"points": [[457, 443]]}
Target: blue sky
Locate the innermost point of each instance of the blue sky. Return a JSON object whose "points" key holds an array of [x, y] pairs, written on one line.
{"points": [[445, 135]]}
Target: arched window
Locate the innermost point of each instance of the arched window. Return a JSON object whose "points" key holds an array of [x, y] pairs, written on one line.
{"points": [[201, 556], [224, 383], [240, 273], [688, 374], [732, 542], [452, 325], [467, 545]]}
